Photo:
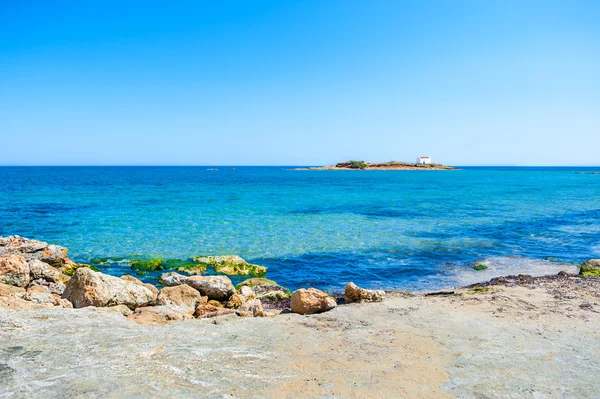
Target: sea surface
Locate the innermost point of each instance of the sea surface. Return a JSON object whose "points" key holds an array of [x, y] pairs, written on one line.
{"points": [[407, 230]]}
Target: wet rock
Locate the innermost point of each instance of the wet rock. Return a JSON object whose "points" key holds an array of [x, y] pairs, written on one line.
{"points": [[90, 288], [172, 279], [354, 293], [590, 268], [39, 294], [42, 270], [312, 300], [14, 270], [11, 290], [214, 287], [252, 308], [139, 282], [182, 298], [230, 264]]}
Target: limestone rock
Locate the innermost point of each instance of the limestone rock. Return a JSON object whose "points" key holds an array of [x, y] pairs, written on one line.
{"points": [[214, 303], [11, 290], [311, 301], [218, 312], [591, 267], [271, 292], [16, 245], [57, 288], [247, 292], [235, 301], [54, 255], [90, 288], [172, 279], [157, 314], [40, 294], [182, 298], [14, 270], [42, 270], [214, 287], [139, 282], [354, 293], [252, 308], [63, 303], [256, 281], [201, 310]]}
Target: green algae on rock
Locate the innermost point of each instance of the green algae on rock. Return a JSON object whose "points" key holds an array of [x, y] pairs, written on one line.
{"points": [[590, 268], [70, 268], [480, 266], [255, 281], [231, 265], [142, 266], [184, 266]]}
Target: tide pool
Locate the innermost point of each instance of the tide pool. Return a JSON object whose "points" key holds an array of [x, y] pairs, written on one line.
{"points": [[404, 230]]}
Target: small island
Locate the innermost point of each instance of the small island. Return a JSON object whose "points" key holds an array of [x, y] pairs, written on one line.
{"points": [[392, 165]]}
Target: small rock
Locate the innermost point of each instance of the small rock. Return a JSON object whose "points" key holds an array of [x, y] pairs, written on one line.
{"points": [[214, 287], [14, 270], [182, 298], [247, 293], [311, 301], [39, 294], [230, 264], [218, 312], [214, 303], [57, 288], [172, 279], [201, 310], [252, 308], [55, 255], [235, 301], [354, 293], [64, 303]]}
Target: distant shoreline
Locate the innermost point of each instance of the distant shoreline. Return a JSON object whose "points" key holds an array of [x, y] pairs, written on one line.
{"points": [[394, 165]]}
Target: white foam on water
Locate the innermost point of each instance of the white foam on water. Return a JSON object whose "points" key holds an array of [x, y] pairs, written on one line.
{"points": [[503, 266]]}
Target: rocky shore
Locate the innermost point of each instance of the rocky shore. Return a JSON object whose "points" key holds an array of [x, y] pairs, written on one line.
{"points": [[393, 165], [95, 335]]}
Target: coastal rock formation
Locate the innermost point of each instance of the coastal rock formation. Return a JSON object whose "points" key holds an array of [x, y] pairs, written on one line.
{"points": [[14, 270], [11, 290], [591, 267], [156, 315], [40, 294], [32, 249], [139, 282], [203, 309], [230, 264], [182, 298], [172, 279], [42, 270], [252, 308], [90, 288], [255, 281], [312, 300], [354, 293], [214, 287]]}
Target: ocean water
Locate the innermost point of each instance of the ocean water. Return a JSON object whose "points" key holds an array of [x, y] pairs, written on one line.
{"points": [[408, 230]]}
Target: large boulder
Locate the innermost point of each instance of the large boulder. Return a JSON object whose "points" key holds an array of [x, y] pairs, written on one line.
{"points": [[591, 268], [14, 270], [139, 282], [354, 293], [172, 279], [182, 298], [311, 301], [214, 287], [90, 288]]}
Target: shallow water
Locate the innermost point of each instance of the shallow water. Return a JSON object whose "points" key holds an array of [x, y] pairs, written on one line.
{"points": [[381, 229]]}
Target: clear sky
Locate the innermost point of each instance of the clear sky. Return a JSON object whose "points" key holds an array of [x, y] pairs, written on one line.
{"points": [[299, 82]]}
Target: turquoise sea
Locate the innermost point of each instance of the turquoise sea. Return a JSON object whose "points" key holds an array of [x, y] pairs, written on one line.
{"points": [[381, 229]]}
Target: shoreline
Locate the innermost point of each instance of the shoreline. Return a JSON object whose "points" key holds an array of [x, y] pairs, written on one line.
{"points": [[394, 165]]}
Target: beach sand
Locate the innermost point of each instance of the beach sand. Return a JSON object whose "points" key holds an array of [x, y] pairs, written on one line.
{"points": [[531, 339]]}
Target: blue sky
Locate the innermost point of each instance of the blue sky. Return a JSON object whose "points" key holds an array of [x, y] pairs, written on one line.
{"points": [[299, 82]]}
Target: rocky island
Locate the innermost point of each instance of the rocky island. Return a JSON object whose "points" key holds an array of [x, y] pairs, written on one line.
{"points": [[71, 331], [392, 165]]}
